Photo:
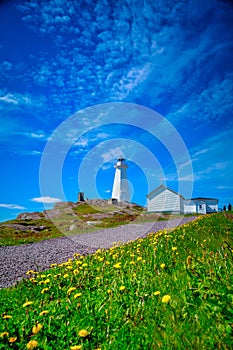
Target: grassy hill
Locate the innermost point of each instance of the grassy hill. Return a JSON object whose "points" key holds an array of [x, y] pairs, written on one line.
{"points": [[171, 290], [67, 218]]}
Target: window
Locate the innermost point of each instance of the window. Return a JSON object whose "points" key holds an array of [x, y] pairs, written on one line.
{"points": [[200, 206]]}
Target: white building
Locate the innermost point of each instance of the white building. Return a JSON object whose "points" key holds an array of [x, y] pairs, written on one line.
{"points": [[120, 191], [163, 199]]}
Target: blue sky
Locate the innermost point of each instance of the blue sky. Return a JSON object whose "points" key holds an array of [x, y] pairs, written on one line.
{"points": [[161, 76]]}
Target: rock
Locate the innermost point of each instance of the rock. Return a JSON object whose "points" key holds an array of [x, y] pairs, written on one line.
{"points": [[30, 216], [72, 227]]}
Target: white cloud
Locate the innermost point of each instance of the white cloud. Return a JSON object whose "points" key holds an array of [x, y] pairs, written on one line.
{"points": [[46, 200], [9, 98], [113, 153], [12, 206]]}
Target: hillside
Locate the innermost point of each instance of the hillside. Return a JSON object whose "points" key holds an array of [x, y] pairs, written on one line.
{"points": [[68, 218], [170, 290]]}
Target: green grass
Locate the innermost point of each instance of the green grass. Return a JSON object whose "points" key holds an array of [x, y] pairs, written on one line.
{"points": [[78, 215], [117, 295]]}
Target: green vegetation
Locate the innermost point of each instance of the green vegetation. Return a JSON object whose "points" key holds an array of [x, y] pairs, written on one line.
{"points": [[171, 290], [18, 231], [10, 235]]}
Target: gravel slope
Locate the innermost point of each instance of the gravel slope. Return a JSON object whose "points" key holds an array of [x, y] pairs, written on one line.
{"points": [[15, 261]]}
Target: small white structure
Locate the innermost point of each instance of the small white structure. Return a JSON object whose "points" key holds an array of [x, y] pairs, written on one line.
{"points": [[163, 199], [120, 191]]}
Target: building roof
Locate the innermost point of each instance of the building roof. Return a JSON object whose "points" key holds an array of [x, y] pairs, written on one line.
{"points": [[192, 199], [165, 188], [203, 199]]}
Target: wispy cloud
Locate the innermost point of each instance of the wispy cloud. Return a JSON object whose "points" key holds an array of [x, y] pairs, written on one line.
{"points": [[12, 206], [46, 199]]}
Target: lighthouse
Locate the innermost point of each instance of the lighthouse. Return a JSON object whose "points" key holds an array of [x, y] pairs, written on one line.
{"points": [[120, 191]]}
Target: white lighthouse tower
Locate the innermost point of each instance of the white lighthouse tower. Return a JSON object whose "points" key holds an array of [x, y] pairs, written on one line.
{"points": [[120, 191]]}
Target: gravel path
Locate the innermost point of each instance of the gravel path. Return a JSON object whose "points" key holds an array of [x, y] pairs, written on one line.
{"points": [[17, 260]]}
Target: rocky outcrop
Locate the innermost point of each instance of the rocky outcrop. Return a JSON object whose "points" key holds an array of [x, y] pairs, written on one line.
{"points": [[30, 216]]}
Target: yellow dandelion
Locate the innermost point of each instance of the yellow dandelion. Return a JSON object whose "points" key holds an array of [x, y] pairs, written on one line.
{"points": [[157, 292], [53, 265], [4, 334], [122, 288], [139, 258], [5, 317], [107, 263], [27, 303], [47, 281], [174, 248], [77, 295], [101, 259], [109, 291], [12, 339], [44, 290], [83, 333], [32, 344], [132, 262], [44, 312], [84, 265], [30, 272], [70, 290], [78, 262], [36, 328], [166, 299], [163, 266], [76, 347], [76, 272], [65, 275], [117, 265]]}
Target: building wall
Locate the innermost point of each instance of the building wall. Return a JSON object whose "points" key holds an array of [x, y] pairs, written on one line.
{"points": [[189, 207], [166, 201]]}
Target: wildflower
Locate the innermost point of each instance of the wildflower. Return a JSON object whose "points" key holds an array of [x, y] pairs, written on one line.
{"points": [[101, 259], [157, 292], [5, 317], [174, 248], [84, 265], [166, 299], [32, 344], [122, 288], [83, 333], [117, 265], [76, 347], [53, 265], [139, 258], [30, 272], [44, 312], [78, 262], [70, 290], [132, 262], [37, 328], [65, 275], [77, 295], [46, 281], [27, 303], [109, 291], [162, 266], [4, 334], [76, 272], [12, 339], [44, 290]]}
